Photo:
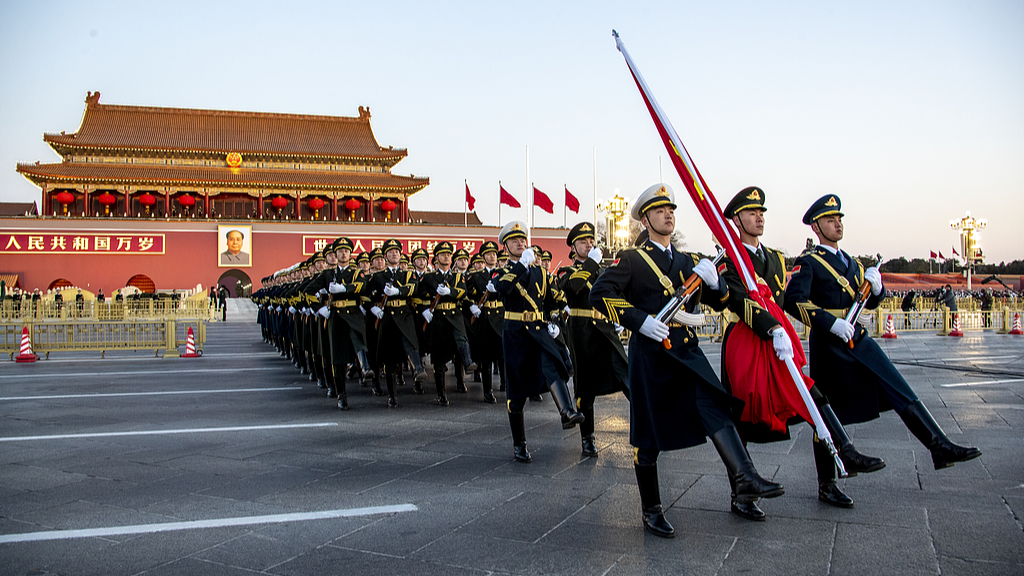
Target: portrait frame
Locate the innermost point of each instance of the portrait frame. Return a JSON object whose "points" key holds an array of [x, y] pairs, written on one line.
{"points": [[225, 259]]}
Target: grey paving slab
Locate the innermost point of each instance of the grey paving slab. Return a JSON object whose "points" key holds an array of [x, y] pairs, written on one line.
{"points": [[476, 511]]}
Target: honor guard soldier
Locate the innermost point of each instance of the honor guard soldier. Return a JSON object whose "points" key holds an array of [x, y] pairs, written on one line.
{"points": [[374, 263], [363, 262], [477, 262], [487, 324], [746, 210], [313, 325], [390, 290], [419, 264], [444, 289], [535, 361], [859, 380], [460, 263], [676, 401], [597, 354]]}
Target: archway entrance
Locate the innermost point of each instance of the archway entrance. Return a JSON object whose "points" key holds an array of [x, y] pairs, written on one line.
{"points": [[142, 282], [58, 284], [236, 282]]}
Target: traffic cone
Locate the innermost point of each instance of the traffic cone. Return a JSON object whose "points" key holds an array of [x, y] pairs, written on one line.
{"points": [[890, 328], [956, 331], [26, 354], [1016, 331], [190, 345]]}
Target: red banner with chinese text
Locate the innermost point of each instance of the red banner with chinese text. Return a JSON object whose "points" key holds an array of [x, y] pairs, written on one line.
{"points": [[78, 243]]}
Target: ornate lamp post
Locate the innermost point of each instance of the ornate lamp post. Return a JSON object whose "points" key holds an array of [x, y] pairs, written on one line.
{"points": [[617, 221], [968, 241]]}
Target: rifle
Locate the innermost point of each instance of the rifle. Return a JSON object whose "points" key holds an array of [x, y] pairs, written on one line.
{"points": [[863, 293], [383, 303], [483, 299], [681, 296]]}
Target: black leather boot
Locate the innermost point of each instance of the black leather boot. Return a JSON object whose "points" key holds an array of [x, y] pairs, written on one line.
{"points": [[589, 446], [744, 507], [587, 429], [488, 382], [944, 453], [853, 461], [442, 398], [339, 387], [518, 426], [364, 364], [747, 483], [650, 502], [332, 386], [566, 407], [460, 377], [828, 490], [389, 377]]}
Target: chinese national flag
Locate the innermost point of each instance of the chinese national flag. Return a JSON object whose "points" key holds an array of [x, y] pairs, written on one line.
{"points": [[470, 201], [507, 198], [941, 256], [934, 255], [542, 201], [571, 202], [955, 252]]}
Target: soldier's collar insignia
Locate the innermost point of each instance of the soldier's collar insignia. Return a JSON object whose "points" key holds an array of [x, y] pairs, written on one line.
{"points": [[662, 192], [831, 201]]}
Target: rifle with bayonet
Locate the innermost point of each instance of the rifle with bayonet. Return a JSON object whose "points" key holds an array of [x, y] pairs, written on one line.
{"points": [[681, 296], [863, 293]]}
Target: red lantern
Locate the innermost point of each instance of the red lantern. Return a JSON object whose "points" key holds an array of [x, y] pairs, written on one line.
{"points": [[316, 204], [147, 199], [388, 206], [107, 200], [352, 205], [64, 198], [186, 201], [279, 203]]}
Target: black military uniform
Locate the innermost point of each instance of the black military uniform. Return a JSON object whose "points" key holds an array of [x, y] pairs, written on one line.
{"points": [[676, 400], [598, 358], [418, 305], [536, 362], [769, 267], [444, 289], [370, 321], [390, 290], [487, 325], [860, 382]]}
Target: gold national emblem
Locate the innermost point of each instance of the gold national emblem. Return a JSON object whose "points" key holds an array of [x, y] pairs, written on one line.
{"points": [[234, 159], [754, 195], [832, 201], [662, 192], [516, 226], [585, 228]]}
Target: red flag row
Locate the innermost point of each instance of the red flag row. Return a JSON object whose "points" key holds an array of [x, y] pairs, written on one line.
{"points": [[540, 200]]}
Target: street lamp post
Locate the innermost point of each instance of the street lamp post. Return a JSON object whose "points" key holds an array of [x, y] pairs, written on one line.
{"points": [[617, 221], [968, 241]]}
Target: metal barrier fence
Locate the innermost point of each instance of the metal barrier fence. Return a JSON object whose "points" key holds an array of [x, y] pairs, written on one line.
{"points": [[141, 309], [104, 336]]}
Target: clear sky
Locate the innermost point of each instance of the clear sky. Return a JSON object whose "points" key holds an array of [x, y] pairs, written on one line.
{"points": [[911, 111]]}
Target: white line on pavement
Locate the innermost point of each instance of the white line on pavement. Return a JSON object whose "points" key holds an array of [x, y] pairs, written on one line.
{"points": [[214, 523], [149, 393], [157, 432], [133, 372], [960, 384]]}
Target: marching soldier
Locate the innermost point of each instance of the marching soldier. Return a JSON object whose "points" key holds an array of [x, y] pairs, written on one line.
{"points": [[390, 290], [419, 264], [375, 263], [676, 401], [597, 353], [460, 263], [443, 289], [536, 362], [746, 210], [860, 380], [487, 324]]}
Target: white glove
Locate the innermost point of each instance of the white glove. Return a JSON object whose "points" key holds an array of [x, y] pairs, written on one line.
{"points": [[618, 328], [362, 310], [528, 257], [391, 290], [707, 272], [654, 329], [553, 330], [567, 310], [875, 277], [595, 254], [292, 309], [443, 290], [377, 312], [336, 288], [783, 346], [428, 315], [843, 329], [322, 291], [325, 312], [490, 287], [475, 310]]}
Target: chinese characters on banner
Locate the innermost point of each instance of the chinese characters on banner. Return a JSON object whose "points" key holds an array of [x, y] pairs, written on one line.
{"points": [[50, 243], [312, 244]]}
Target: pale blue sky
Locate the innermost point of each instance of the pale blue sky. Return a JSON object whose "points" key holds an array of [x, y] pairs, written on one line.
{"points": [[912, 112]]}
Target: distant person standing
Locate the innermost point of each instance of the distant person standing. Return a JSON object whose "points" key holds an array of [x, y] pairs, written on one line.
{"points": [[908, 305], [222, 298]]}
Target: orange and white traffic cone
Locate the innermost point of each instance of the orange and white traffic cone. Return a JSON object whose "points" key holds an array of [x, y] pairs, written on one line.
{"points": [[190, 345], [1016, 331], [956, 331], [26, 354], [890, 328]]}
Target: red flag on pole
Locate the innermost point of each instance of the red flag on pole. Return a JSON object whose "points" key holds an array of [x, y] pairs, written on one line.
{"points": [[934, 255], [571, 202], [507, 198], [955, 252], [470, 201], [941, 256], [542, 201]]}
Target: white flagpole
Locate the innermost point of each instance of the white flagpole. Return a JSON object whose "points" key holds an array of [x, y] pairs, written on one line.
{"points": [[499, 205], [565, 207], [529, 210], [465, 202], [594, 205]]}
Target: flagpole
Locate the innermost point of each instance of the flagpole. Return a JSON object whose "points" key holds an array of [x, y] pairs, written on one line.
{"points": [[465, 202], [529, 211], [499, 205], [595, 187], [565, 208]]}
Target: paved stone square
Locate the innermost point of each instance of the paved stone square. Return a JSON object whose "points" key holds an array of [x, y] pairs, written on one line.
{"points": [[234, 464]]}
